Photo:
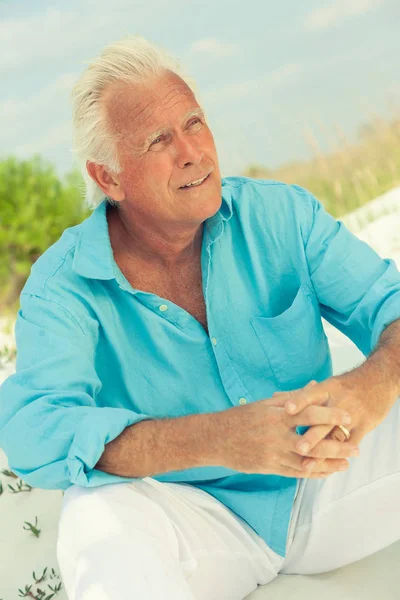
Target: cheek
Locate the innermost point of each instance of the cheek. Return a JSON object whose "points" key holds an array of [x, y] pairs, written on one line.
{"points": [[131, 181], [153, 173], [158, 170], [210, 148]]}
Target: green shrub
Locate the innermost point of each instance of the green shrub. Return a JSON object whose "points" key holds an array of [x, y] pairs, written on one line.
{"points": [[35, 207]]}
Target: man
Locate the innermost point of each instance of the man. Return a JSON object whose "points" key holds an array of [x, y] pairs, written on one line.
{"points": [[160, 341]]}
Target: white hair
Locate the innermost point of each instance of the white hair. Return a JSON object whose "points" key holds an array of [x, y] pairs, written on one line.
{"points": [[132, 59]]}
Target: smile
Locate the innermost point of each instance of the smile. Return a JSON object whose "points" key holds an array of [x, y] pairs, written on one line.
{"points": [[196, 183]]}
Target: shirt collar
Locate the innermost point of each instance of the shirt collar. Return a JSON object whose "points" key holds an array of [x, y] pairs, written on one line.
{"points": [[93, 257]]}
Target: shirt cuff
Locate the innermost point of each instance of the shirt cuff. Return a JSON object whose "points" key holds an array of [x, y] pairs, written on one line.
{"points": [[99, 427]]}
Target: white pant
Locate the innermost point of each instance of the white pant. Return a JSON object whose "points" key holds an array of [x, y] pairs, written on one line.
{"points": [[155, 540]]}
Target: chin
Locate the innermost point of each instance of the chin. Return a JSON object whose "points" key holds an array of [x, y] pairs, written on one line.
{"points": [[213, 206]]}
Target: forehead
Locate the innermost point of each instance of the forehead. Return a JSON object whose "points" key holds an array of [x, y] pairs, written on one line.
{"points": [[142, 107]]}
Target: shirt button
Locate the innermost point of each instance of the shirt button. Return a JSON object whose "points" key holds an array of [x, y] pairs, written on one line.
{"points": [[214, 341], [242, 400], [163, 307]]}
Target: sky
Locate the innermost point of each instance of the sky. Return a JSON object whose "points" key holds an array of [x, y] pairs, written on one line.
{"points": [[267, 72]]}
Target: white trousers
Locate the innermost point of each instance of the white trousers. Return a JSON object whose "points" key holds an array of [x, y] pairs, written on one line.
{"points": [[155, 540]]}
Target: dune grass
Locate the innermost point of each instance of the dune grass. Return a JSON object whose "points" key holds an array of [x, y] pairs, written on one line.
{"points": [[351, 176]]}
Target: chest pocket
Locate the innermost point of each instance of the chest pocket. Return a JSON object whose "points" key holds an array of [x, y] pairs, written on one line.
{"points": [[294, 341]]}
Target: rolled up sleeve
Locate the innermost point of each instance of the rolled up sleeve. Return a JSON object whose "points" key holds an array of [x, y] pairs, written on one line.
{"points": [[358, 291], [51, 429]]}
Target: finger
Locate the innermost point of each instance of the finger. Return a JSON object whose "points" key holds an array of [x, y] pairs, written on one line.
{"points": [[320, 415], [277, 399], [305, 447], [320, 464], [329, 465], [312, 438], [309, 395], [337, 434], [329, 449], [310, 384], [280, 398], [288, 472], [324, 465]]}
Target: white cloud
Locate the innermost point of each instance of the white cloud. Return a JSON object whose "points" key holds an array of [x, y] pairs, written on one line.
{"points": [[16, 113], [283, 73], [275, 78], [76, 32], [57, 136], [214, 47], [58, 35], [55, 42], [337, 11], [24, 42]]}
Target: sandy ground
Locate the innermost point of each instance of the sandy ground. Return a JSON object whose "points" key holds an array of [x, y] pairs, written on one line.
{"points": [[22, 553]]}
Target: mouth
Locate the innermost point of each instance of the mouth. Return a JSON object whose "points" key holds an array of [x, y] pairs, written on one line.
{"points": [[198, 183]]}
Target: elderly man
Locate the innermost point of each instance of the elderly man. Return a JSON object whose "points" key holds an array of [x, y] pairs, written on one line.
{"points": [[160, 343]]}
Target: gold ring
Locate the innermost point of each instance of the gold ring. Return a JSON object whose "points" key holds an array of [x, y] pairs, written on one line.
{"points": [[345, 431]]}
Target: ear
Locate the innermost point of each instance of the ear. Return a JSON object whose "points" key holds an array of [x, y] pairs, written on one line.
{"points": [[109, 183]]}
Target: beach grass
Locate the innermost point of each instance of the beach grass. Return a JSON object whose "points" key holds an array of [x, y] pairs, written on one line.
{"points": [[350, 176]]}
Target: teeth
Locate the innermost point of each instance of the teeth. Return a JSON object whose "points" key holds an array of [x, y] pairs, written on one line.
{"points": [[195, 182]]}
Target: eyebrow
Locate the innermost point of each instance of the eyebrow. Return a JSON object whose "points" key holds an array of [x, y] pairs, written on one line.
{"points": [[197, 112]]}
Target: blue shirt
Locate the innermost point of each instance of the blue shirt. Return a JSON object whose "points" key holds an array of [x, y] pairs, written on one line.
{"points": [[95, 355]]}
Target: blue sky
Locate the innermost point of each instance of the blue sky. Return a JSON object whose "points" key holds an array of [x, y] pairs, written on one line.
{"points": [[267, 71]]}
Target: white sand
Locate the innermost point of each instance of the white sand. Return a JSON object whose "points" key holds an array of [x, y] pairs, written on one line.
{"points": [[22, 553]]}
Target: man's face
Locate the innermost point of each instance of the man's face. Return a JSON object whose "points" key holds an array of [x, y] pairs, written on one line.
{"points": [[154, 170]]}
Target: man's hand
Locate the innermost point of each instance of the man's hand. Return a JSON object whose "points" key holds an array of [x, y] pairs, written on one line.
{"points": [[350, 392], [261, 437]]}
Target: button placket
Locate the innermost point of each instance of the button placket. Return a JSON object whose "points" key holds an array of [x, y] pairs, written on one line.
{"points": [[234, 387]]}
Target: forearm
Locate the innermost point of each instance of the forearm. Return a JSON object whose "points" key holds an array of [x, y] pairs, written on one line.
{"points": [[157, 446], [380, 372], [387, 356]]}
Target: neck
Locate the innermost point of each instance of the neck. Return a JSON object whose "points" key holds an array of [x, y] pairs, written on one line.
{"points": [[153, 245]]}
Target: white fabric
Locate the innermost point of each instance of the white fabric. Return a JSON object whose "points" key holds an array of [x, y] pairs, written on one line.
{"points": [[149, 539]]}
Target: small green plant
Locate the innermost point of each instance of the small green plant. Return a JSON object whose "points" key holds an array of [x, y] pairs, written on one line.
{"points": [[8, 473], [40, 594], [33, 528], [20, 484]]}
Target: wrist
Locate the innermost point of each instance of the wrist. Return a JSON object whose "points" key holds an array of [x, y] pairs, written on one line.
{"points": [[212, 426], [372, 378]]}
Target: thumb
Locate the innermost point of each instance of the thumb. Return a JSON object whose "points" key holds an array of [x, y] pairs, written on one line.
{"points": [[280, 398]]}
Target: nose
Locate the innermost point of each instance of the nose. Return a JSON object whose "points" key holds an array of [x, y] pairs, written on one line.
{"points": [[187, 152]]}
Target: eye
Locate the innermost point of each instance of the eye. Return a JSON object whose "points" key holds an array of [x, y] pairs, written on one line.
{"points": [[194, 121]]}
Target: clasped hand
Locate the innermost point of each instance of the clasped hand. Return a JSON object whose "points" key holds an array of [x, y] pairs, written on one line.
{"points": [[345, 392]]}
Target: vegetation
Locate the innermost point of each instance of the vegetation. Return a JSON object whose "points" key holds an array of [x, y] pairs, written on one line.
{"points": [[350, 177], [33, 590], [35, 208], [28, 592]]}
